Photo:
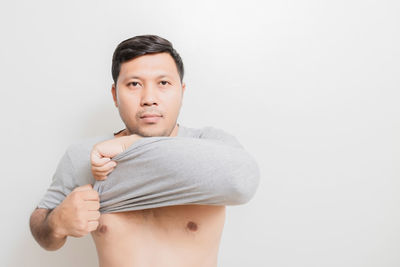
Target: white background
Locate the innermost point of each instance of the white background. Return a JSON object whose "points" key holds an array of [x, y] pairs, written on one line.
{"points": [[310, 88]]}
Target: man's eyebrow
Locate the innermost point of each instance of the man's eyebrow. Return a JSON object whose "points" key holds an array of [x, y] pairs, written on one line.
{"points": [[138, 77]]}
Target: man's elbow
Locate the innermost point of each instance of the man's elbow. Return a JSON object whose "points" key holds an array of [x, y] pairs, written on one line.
{"points": [[242, 195], [243, 187], [41, 231]]}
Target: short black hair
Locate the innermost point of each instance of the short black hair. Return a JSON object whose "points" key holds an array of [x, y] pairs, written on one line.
{"points": [[142, 45]]}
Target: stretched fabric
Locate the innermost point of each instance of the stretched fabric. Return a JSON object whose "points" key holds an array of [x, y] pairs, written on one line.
{"points": [[199, 166]]}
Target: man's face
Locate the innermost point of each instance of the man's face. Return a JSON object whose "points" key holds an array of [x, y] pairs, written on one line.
{"points": [[149, 84]]}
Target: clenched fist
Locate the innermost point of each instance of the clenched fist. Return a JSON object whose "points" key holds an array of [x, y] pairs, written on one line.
{"points": [[101, 154], [78, 214]]}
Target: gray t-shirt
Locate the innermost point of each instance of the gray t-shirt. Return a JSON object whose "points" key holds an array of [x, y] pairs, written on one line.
{"points": [[206, 166]]}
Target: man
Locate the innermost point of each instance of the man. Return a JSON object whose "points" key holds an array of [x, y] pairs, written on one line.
{"points": [[154, 193]]}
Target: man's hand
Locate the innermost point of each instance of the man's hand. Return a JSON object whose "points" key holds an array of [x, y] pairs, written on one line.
{"points": [[78, 214], [101, 154]]}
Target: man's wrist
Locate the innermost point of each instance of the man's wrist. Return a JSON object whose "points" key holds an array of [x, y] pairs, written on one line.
{"points": [[54, 225], [128, 140]]}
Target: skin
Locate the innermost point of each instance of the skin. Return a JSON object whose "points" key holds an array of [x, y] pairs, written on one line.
{"points": [[157, 89], [184, 235]]}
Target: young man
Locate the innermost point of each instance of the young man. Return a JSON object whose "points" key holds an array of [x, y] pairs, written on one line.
{"points": [[154, 193]]}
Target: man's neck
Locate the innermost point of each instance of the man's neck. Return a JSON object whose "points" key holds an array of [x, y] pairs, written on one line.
{"points": [[175, 130], [124, 132]]}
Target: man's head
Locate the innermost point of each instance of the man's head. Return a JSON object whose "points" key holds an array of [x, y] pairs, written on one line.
{"points": [[148, 80]]}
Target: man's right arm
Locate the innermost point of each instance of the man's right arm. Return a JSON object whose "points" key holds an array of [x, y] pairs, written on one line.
{"points": [[44, 230], [76, 216]]}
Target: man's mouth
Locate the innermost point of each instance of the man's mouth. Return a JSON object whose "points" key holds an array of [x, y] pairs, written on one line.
{"points": [[146, 115], [150, 118]]}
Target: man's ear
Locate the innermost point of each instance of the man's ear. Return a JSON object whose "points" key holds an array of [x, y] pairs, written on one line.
{"points": [[183, 90], [114, 94], [183, 87]]}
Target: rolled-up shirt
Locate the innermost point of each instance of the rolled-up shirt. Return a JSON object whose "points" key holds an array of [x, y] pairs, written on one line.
{"points": [[206, 166]]}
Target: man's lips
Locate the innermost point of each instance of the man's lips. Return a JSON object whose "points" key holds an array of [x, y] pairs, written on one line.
{"points": [[150, 117]]}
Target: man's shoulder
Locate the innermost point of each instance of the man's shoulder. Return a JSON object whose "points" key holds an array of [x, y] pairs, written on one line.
{"points": [[201, 132], [212, 133], [204, 132]]}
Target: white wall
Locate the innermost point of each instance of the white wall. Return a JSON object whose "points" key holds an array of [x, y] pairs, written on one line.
{"points": [[310, 88]]}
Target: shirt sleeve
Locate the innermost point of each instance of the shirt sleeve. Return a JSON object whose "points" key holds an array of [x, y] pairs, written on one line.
{"points": [[63, 182], [219, 136], [164, 171]]}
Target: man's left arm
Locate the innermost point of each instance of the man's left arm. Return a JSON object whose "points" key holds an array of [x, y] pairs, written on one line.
{"points": [[164, 171]]}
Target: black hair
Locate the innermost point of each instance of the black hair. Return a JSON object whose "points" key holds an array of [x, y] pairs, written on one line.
{"points": [[142, 45]]}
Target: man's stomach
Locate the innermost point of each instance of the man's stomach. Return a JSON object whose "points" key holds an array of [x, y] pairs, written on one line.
{"points": [[184, 235]]}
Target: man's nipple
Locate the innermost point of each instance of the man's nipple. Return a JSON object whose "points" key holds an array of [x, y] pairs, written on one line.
{"points": [[102, 229], [192, 226]]}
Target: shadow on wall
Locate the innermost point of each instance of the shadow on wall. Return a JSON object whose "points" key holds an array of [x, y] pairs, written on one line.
{"points": [[100, 120], [75, 252]]}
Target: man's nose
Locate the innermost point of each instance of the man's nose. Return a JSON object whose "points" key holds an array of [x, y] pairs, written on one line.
{"points": [[149, 96]]}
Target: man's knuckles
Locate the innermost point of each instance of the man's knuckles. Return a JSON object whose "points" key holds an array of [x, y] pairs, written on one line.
{"points": [[83, 188], [82, 225], [92, 205], [92, 225], [85, 195], [106, 167], [98, 162], [94, 216]]}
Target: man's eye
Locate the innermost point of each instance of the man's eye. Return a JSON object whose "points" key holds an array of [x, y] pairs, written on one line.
{"points": [[133, 83], [164, 82]]}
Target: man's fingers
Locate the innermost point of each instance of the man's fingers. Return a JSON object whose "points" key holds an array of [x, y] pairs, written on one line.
{"points": [[92, 225], [107, 166], [92, 205], [83, 187], [100, 177], [90, 195], [93, 215], [98, 162], [97, 159]]}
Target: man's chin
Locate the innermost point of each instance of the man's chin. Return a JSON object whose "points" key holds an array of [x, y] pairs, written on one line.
{"points": [[152, 132]]}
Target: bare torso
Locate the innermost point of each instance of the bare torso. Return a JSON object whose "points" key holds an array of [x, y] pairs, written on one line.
{"points": [[173, 236], [178, 236]]}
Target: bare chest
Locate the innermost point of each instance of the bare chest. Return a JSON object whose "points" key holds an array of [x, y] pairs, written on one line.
{"points": [[190, 230]]}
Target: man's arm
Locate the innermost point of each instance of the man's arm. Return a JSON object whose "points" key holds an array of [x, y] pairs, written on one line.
{"points": [[76, 216], [101, 154], [164, 171], [43, 230]]}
